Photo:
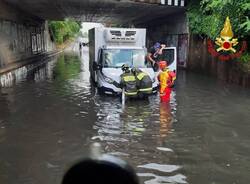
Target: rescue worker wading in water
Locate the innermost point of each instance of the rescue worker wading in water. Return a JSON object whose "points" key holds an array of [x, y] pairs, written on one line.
{"points": [[166, 79], [128, 82], [144, 82]]}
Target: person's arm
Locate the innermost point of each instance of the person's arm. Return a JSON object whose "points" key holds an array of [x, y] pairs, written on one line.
{"points": [[150, 59], [138, 82], [163, 46]]}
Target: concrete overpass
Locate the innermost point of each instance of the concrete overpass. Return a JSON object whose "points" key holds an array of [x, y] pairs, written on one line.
{"points": [[108, 11], [23, 23]]}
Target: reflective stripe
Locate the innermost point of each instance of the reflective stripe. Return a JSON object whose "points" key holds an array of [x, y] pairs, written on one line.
{"points": [[130, 93], [129, 78], [141, 75], [146, 89]]}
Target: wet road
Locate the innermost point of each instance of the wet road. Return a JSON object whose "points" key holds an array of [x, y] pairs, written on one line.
{"points": [[51, 114]]}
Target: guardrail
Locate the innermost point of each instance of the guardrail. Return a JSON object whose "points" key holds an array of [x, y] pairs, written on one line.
{"points": [[181, 3]]}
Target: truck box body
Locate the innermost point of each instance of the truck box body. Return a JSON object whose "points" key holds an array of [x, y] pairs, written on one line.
{"points": [[101, 37]]}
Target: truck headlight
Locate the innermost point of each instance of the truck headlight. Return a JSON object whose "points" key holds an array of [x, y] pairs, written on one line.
{"points": [[108, 80]]}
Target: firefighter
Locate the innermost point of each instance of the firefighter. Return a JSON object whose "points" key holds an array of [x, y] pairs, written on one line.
{"points": [[128, 82], [144, 82], [166, 79]]}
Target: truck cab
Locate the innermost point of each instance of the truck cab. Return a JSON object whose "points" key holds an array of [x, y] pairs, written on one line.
{"points": [[110, 48]]}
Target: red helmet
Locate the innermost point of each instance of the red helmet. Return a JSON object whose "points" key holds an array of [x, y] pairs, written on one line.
{"points": [[162, 64]]}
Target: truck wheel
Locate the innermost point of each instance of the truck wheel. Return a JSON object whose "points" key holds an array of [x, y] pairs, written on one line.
{"points": [[100, 91], [92, 79]]}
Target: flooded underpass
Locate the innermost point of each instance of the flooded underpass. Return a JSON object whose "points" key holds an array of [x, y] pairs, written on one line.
{"points": [[51, 115]]}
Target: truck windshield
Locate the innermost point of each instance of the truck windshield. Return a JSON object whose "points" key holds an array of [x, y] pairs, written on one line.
{"points": [[116, 58]]}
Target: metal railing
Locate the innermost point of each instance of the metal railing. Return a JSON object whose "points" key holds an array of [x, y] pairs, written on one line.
{"points": [[181, 3]]}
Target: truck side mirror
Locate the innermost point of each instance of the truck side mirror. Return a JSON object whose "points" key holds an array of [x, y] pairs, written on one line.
{"points": [[96, 66]]}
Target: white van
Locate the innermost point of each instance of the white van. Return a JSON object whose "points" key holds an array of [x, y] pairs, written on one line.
{"points": [[109, 49]]}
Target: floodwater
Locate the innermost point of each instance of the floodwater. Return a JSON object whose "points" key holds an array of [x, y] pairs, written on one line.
{"points": [[50, 114]]}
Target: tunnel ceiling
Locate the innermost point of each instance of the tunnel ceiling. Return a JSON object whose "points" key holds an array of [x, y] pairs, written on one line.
{"points": [[105, 11]]}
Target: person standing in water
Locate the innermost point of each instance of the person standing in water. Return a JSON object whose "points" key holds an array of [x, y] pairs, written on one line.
{"points": [[166, 79]]}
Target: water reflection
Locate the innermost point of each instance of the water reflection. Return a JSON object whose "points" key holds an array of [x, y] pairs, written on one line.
{"points": [[132, 120], [165, 120], [68, 66], [37, 72], [53, 108], [137, 133], [5, 112], [56, 99], [6, 79], [135, 118], [160, 167], [6, 98], [176, 179]]}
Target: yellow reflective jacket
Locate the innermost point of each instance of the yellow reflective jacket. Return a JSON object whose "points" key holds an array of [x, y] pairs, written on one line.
{"points": [[144, 82], [128, 82], [165, 80]]}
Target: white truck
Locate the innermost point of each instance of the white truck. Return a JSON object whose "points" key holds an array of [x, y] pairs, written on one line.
{"points": [[109, 49]]}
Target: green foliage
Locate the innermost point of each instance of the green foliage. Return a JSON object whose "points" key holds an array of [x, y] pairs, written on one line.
{"points": [[245, 6], [246, 25], [207, 17], [244, 63], [245, 58], [64, 30]]}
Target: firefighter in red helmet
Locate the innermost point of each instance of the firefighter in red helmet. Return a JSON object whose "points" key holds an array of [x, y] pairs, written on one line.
{"points": [[166, 79]]}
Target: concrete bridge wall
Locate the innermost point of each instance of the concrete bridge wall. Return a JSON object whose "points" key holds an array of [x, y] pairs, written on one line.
{"points": [[201, 61], [21, 35]]}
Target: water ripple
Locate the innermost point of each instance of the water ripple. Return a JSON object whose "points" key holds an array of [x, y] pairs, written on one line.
{"points": [[177, 179], [160, 167]]}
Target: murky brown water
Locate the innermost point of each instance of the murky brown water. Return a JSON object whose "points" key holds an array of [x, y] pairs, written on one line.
{"points": [[51, 114]]}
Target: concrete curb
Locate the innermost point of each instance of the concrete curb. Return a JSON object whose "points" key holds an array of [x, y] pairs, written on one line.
{"points": [[29, 60]]}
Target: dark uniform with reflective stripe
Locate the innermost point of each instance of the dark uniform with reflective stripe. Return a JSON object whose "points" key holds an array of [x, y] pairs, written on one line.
{"points": [[144, 82], [128, 82]]}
